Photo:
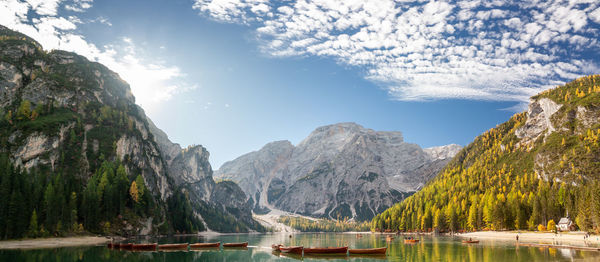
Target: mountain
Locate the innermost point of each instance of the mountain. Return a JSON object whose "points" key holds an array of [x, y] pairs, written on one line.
{"points": [[77, 153], [338, 171], [538, 166]]}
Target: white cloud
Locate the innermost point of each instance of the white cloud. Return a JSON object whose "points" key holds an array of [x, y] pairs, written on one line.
{"points": [[492, 50], [151, 81], [233, 10]]}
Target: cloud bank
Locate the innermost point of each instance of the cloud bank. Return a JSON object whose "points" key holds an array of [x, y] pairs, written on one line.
{"points": [[422, 50], [54, 24]]}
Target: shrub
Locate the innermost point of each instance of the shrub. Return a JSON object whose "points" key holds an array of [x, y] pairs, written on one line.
{"points": [[551, 225], [541, 228]]}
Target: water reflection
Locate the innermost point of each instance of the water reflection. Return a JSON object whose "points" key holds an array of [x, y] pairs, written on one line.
{"points": [[259, 249]]}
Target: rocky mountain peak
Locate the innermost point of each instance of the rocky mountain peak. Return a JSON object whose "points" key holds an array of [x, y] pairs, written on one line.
{"points": [[339, 170], [442, 152]]}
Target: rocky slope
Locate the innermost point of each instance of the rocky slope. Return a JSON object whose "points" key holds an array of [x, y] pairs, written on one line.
{"points": [[338, 171], [222, 206], [65, 114], [538, 166]]}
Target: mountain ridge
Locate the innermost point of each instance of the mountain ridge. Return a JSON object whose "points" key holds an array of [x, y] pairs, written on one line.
{"points": [[324, 155]]}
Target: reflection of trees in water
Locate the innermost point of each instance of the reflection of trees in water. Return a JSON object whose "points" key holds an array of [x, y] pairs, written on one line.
{"points": [[428, 249]]}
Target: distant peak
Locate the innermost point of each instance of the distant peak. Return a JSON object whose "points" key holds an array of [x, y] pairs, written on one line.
{"points": [[442, 152], [278, 144], [343, 125]]}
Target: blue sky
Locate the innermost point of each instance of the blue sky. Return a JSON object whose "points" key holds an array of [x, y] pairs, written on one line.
{"points": [[233, 75]]}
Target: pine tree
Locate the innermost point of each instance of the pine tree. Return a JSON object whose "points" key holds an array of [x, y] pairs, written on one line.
{"points": [[33, 225], [51, 210], [472, 218], [73, 212]]}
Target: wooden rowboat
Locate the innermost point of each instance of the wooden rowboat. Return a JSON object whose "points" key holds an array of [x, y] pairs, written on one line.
{"points": [[201, 245], [292, 250], [276, 247], [470, 241], [368, 251], [411, 241], [326, 250], [173, 246], [244, 244], [126, 246], [145, 247]]}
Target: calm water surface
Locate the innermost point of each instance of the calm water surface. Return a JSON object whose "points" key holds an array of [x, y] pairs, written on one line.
{"points": [[259, 249]]}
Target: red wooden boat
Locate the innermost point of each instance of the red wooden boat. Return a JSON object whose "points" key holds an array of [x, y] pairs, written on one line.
{"points": [[368, 251], [244, 244], [116, 245], [326, 250], [292, 249], [144, 247], [173, 246], [470, 241], [411, 241], [201, 245], [276, 247], [126, 246]]}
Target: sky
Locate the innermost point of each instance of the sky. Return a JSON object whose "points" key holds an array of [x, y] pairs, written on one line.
{"points": [[233, 75]]}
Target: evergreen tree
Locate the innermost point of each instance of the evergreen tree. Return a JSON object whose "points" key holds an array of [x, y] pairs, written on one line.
{"points": [[33, 225], [51, 210]]}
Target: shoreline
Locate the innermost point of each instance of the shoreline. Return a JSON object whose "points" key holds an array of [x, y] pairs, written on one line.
{"points": [[57, 242], [566, 239]]}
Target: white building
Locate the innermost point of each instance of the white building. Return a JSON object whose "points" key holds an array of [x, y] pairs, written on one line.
{"points": [[565, 224]]}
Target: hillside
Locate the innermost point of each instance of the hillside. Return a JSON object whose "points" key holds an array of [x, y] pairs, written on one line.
{"points": [[540, 165], [339, 171], [77, 154]]}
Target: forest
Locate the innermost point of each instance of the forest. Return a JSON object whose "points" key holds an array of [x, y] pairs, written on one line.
{"points": [[34, 204], [500, 183], [324, 225], [63, 199]]}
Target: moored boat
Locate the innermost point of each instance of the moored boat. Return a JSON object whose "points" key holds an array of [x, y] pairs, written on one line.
{"points": [[292, 249], [276, 247], [243, 244], [126, 246], [144, 247], [381, 250], [470, 241], [173, 246], [325, 250], [201, 245]]}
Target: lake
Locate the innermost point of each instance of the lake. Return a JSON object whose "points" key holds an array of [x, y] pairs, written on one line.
{"points": [[259, 249]]}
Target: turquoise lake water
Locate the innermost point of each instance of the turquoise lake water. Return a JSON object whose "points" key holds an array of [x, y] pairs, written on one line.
{"points": [[259, 249]]}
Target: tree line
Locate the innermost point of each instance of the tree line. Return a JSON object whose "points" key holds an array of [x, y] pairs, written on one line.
{"points": [[324, 225], [34, 204]]}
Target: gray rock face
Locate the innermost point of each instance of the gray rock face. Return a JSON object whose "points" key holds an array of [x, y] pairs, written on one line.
{"points": [[192, 173], [258, 167], [538, 120], [341, 170], [168, 149], [442, 152]]}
